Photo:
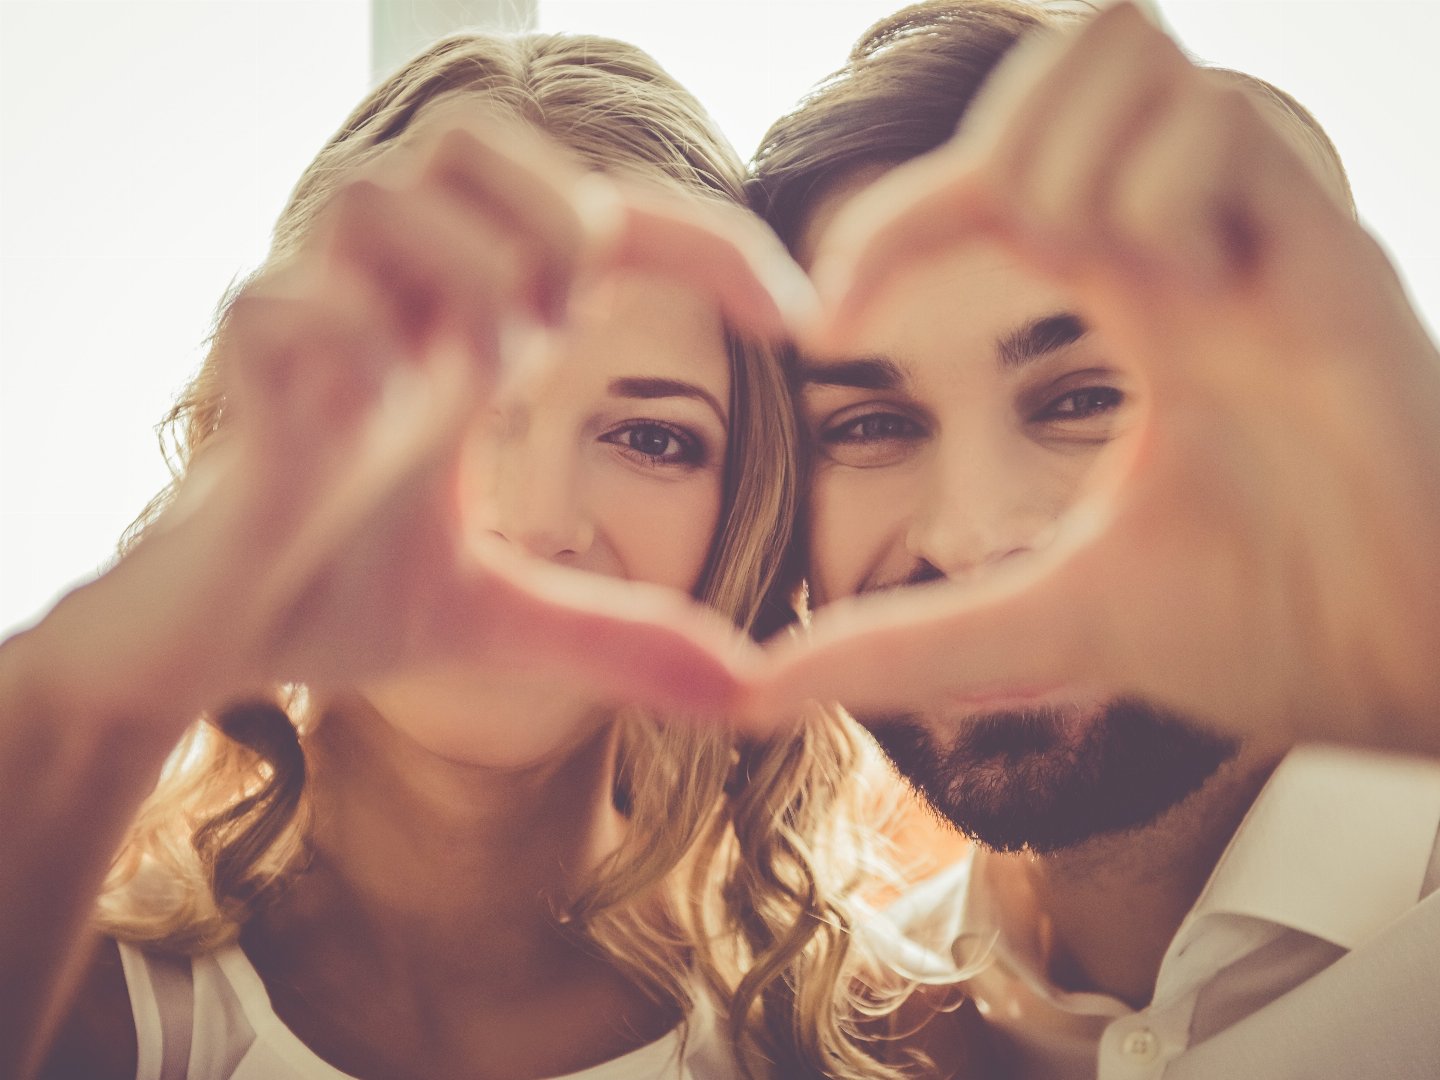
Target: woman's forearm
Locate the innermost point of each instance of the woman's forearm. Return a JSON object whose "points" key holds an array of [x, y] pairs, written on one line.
{"points": [[69, 786]]}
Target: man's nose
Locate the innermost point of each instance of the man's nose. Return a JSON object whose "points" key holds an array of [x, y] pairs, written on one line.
{"points": [[976, 510]]}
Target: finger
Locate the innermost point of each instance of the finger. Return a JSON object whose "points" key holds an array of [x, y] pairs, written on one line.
{"points": [[634, 643], [1002, 117], [1168, 208], [1053, 80], [1111, 92], [516, 181], [1024, 633], [719, 250], [567, 219], [411, 434], [914, 213], [939, 200], [1286, 193], [443, 273], [303, 359], [1222, 224], [967, 188]]}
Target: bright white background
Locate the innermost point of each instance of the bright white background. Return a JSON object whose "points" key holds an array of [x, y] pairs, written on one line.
{"points": [[146, 147]]}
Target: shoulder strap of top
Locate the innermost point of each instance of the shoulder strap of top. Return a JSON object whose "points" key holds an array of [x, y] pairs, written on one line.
{"points": [[163, 1004], [1432, 872]]}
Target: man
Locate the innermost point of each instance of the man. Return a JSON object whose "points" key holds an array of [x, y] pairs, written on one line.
{"points": [[1106, 426]]}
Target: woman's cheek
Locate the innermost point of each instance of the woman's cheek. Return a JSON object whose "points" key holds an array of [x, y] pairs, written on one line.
{"points": [[660, 529], [1055, 477]]}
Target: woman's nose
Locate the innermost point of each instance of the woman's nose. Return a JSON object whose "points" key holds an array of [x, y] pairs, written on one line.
{"points": [[548, 536], [538, 500]]}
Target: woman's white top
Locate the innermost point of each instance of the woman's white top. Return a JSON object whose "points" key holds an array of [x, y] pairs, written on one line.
{"points": [[209, 1018]]}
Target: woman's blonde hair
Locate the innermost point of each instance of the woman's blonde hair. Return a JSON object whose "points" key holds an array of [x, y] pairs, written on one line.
{"points": [[754, 846]]}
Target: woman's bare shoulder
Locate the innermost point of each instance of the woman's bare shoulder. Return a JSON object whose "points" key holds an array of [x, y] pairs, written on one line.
{"points": [[96, 1039]]}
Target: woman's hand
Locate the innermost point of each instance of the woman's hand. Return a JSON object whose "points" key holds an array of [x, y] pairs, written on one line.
{"points": [[1262, 552], [319, 536]]}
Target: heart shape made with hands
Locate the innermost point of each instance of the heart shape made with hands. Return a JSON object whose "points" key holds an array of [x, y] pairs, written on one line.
{"points": [[319, 534], [1248, 555], [1254, 553]]}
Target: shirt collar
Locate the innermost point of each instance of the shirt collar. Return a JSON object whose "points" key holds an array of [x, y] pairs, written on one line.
{"points": [[1002, 915], [920, 930], [1336, 845]]}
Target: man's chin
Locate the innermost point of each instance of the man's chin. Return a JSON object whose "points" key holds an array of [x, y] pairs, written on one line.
{"points": [[1048, 779]]}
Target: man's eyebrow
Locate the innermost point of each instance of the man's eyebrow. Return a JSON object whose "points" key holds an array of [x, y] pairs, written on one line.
{"points": [[646, 388], [870, 373], [1039, 338]]}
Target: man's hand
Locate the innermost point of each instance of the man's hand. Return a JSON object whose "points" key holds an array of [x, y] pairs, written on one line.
{"points": [[1261, 551]]}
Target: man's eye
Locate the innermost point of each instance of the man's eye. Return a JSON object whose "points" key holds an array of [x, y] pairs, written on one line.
{"points": [[656, 444], [1085, 402], [871, 428], [880, 438]]}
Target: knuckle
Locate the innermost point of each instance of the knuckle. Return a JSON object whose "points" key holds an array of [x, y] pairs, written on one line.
{"points": [[454, 150], [996, 184], [1140, 212], [360, 202], [1148, 224], [1053, 203], [252, 320], [248, 309], [509, 264], [1225, 102]]}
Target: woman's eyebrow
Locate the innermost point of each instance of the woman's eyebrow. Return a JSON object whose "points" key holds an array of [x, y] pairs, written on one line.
{"points": [[646, 388]]}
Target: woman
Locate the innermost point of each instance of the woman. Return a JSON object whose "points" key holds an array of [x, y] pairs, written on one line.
{"points": [[426, 841]]}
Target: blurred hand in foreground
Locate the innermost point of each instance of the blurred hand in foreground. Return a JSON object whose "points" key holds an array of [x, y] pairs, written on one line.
{"points": [[319, 535], [1260, 552]]}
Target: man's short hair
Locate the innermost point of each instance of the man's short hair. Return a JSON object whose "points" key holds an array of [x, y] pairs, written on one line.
{"points": [[906, 86], [901, 93]]}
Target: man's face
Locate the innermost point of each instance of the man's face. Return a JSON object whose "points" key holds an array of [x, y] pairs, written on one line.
{"points": [[947, 441]]}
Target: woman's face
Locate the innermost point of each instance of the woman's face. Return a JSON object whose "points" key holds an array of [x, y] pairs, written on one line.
{"points": [[611, 458], [608, 456]]}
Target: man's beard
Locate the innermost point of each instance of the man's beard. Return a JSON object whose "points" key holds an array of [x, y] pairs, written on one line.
{"points": [[1017, 780]]}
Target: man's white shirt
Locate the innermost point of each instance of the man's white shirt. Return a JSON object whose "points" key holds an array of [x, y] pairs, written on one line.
{"points": [[1313, 951]]}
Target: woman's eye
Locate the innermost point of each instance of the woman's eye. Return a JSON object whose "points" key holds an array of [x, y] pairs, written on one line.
{"points": [[657, 444], [1085, 402], [880, 438]]}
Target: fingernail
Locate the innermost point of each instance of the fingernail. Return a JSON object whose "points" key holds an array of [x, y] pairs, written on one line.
{"points": [[600, 207], [1150, 9], [835, 282], [793, 292]]}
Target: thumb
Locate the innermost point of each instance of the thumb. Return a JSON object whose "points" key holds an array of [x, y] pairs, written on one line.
{"points": [[914, 213], [1025, 631], [635, 643]]}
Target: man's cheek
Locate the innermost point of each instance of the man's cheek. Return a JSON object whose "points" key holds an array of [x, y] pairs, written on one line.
{"points": [[847, 535]]}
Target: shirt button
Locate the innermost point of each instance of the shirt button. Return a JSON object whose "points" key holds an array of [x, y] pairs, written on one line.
{"points": [[1141, 1045]]}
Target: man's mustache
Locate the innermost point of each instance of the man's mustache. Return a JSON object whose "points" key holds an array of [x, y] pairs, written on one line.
{"points": [[923, 573]]}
